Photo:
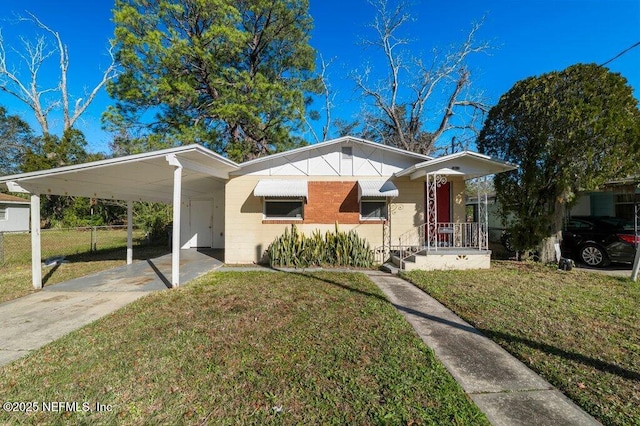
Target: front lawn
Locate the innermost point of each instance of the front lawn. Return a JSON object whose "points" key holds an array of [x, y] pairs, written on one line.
{"points": [[580, 330], [245, 348]]}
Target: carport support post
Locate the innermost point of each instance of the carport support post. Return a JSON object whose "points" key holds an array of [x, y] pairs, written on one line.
{"points": [[636, 264], [36, 255], [129, 232], [175, 242]]}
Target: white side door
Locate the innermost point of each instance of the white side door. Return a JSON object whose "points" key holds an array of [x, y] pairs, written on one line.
{"points": [[202, 223]]}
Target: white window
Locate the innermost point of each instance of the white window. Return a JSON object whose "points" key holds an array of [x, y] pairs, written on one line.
{"points": [[373, 209], [275, 208], [3, 213]]}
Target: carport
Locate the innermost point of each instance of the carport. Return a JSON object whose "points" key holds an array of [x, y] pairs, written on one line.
{"points": [[167, 176]]}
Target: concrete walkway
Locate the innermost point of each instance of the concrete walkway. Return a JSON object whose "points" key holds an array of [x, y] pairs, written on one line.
{"points": [[502, 387], [32, 321]]}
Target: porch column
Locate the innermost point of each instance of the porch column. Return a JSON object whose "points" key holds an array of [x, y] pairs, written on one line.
{"points": [[36, 255], [483, 213], [431, 222], [177, 201], [129, 232]]}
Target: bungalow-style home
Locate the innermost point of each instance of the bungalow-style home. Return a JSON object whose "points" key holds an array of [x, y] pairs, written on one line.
{"points": [[410, 207], [14, 213]]}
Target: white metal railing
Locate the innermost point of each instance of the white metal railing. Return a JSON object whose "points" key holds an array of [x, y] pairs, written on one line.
{"points": [[456, 235], [441, 236], [433, 237]]}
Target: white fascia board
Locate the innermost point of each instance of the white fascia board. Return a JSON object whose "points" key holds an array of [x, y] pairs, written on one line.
{"points": [[14, 187], [197, 167], [339, 140], [416, 170], [122, 160]]}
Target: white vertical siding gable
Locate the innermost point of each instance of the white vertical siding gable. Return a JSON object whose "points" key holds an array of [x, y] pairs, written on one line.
{"points": [[291, 165], [325, 161], [367, 161]]}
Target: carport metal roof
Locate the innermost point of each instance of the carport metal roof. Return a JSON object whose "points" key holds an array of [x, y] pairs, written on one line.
{"points": [[161, 176], [140, 177]]}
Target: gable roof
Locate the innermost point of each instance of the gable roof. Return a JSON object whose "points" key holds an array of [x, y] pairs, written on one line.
{"points": [[468, 163], [340, 140], [12, 199]]}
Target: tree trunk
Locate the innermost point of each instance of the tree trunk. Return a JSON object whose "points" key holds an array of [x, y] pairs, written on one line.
{"points": [[546, 249]]}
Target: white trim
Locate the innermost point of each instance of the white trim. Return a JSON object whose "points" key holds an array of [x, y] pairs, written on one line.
{"points": [[120, 160], [371, 201], [14, 187], [419, 170], [340, 140]]}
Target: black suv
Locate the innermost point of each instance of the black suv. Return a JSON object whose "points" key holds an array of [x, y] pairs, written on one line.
{"points": [[598, 241]]}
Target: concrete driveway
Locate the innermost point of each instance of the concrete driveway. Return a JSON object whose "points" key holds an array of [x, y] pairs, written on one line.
{"points": [[32, 321], [614, 270]]}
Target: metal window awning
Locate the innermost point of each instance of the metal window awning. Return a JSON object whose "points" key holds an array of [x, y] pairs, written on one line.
{"points": [[376, 189], [281, 188]]}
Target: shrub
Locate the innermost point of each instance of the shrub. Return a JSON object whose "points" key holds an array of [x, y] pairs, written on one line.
{"points": [[294, 249]]}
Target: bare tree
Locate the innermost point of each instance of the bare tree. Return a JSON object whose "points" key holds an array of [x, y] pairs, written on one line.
{"points": [[399, 100], [34, 55], [328, 96]]}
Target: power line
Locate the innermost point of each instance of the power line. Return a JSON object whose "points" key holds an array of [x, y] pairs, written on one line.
{"points": [[620, 54]]}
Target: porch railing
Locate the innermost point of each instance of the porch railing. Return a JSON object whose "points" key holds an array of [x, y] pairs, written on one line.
{"points": [[441, 236]]}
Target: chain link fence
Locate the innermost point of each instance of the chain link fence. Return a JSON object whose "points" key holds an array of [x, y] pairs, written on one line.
{"points": [[15, 247]]}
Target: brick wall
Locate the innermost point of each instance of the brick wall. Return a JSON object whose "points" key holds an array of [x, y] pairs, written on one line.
{"points": [[332, 201]]}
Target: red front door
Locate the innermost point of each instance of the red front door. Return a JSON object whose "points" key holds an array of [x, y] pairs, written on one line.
{"points": [[443, 210], [443, 202]]}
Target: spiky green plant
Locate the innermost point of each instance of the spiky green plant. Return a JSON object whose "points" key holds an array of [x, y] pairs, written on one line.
{"points": [[294, 249]]}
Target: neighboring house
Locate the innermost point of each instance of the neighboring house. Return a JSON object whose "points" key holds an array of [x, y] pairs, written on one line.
{"points": [[410, 207], [617, 198], [14, 213]]}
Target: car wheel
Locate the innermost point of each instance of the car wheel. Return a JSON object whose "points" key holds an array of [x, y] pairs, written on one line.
{"points": [[505, 240], [593, 255]]}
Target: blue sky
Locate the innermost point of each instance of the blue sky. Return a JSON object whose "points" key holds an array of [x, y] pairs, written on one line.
{"points": [[527, 38]]}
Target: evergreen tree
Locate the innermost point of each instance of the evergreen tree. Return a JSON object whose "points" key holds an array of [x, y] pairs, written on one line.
{"points": [[229, 74], [568, 131]]}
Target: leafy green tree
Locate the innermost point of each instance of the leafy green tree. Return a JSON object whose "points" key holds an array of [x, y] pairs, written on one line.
{"points": [[16, 138], [568, 131], [49, 151], [229, 74]]}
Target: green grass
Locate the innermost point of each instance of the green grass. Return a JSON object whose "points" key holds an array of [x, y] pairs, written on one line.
{"points": [[245, 348], [15, 279], [15, 248], [580, 330]]}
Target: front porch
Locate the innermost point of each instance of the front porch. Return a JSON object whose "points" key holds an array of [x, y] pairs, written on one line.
{"points": [[443, 245], [451, 237], [445, 259]]}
